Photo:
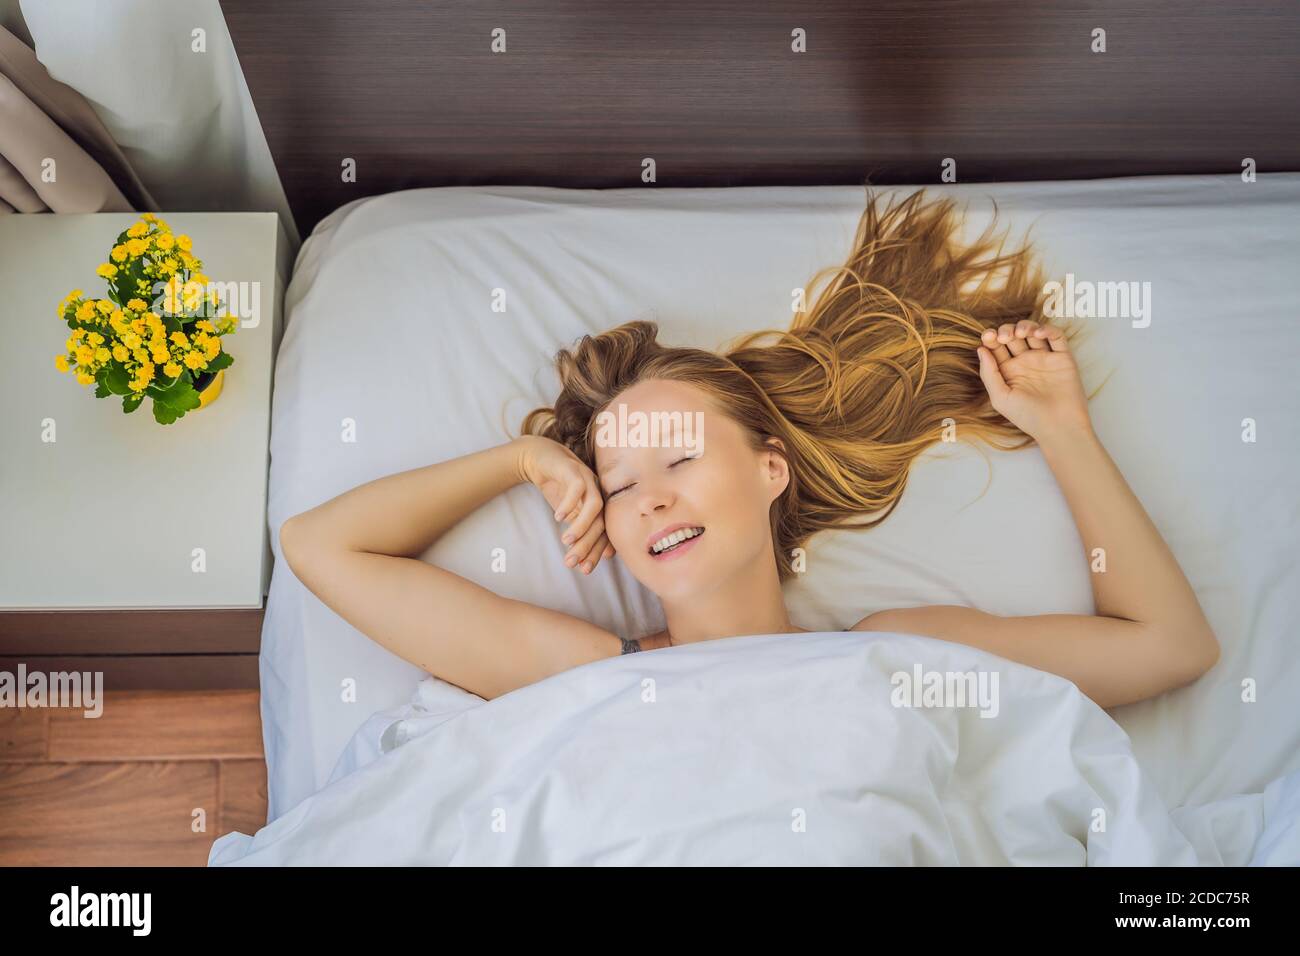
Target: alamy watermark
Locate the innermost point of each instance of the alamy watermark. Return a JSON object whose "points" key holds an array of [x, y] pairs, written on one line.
{"points": [[77, 690], [1085, 299], [624, 429], [945, 689]]}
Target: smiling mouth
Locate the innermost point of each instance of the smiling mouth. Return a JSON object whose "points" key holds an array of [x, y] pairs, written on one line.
{"points": [[670, 543]]}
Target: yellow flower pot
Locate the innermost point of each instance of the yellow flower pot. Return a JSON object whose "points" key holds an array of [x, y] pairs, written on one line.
{"points": [[209, 394]]}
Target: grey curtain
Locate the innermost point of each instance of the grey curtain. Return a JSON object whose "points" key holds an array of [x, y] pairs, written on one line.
{"points": [[55, 154]]}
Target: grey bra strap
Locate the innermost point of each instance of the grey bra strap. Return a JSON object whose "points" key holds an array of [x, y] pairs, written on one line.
{"points": [[630, 646]]}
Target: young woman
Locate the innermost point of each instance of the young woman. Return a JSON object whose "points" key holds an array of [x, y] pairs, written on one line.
{"points": [[803, 430]]}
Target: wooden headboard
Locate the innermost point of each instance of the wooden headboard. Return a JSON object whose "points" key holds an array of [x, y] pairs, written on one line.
{"points": [[714, 92]]}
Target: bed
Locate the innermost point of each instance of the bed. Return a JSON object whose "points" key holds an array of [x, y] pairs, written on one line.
{"points": [[393, 357]]}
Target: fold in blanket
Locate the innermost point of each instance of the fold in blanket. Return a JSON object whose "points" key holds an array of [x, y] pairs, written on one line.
{"points": [[820, 748], [44, 121]]}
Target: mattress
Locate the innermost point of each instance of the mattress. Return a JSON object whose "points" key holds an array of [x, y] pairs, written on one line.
{"points": [[394, 357]]}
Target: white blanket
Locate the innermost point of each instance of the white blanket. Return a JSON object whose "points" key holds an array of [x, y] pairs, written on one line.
{"points": [[820, 748], [391, 332]]}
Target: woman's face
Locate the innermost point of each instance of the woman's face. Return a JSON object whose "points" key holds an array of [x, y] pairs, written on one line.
{"points": [[687, 496]]}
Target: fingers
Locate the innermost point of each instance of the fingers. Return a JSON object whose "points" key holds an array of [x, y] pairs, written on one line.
{"points": [[1054, 337], [994, 342], [991, 376], [1015, 338], [1007, 340], [569, 503], [588, 552]]}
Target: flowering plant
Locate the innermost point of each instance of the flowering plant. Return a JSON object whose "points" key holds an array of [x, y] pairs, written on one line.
{"points": [[168, 349]]}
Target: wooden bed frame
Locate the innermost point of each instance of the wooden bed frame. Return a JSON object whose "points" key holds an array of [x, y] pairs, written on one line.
{"points": [[714, 93]]}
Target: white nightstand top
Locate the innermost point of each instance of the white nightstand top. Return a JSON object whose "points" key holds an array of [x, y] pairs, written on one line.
{"points": [[111, 512]]}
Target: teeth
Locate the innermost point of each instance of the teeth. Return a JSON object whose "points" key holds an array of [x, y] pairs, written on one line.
{"points": [[677, 537]]}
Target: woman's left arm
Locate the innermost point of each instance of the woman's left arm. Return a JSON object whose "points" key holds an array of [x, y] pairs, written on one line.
{"points": [[1149, 634]]}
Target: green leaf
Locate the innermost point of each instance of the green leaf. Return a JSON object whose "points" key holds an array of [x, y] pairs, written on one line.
{"points": [[101, 391], [179, 396], [131, 402], [223, 360], [164, 414], [117, 379]]}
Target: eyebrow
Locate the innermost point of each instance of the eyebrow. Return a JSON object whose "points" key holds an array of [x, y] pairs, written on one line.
{"points": [[669, 430]]}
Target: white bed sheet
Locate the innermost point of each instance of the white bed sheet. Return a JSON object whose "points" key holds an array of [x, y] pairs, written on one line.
{"points": [[390, 326]]}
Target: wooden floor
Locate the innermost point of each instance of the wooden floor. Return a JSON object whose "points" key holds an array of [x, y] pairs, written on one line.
{"points": [[153, 781]]}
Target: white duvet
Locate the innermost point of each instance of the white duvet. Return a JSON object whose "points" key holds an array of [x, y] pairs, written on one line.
{"points": [[820, 748]]}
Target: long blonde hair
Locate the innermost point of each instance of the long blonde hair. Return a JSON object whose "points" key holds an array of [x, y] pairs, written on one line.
{"points": [[858, 386]]}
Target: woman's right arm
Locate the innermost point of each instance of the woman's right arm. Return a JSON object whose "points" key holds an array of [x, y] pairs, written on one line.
{"points": [[359, 553]]}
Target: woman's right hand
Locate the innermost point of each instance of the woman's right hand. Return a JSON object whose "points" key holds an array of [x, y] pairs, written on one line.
{"points": [[573, 492]]}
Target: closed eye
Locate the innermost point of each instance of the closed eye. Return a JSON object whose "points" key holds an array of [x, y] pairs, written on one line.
{"points": [[619, 491]]}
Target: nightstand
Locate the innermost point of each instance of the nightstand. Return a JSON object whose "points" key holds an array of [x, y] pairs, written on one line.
{"points": [[126, 546]]}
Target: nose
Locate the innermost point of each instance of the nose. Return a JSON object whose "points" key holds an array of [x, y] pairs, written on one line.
{"points": [[654, 499]]}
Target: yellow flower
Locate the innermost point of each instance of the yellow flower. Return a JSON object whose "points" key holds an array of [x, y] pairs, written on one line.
{"points": [[141, 355], [101, 355], [137, 326], [165, 241], [85, 354], [161, 224], [193, 294], [107, 270], [194, 360], [160, 356], [138, 230], [171, 369], [118, 253], [132, 340], [184, 242], [85, 378], [178, 338], [78, 333], [61, 362], [94, 338], [120, 352], [212, 348], [203, 325], [138, 386], [87, 311], [149, 217], [137, 305], [136, 247], [105, 306], [70, 344], [190, 262]]}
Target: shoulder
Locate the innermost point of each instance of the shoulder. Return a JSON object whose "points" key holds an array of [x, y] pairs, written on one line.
{"points": [[918, 620]]}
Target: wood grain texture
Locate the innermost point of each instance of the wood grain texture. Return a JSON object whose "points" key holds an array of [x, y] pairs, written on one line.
{"points": [[712, 91], [153, 671], [106, 814], [233, 631], [151, 725], [243, 795], [23, 733], [121, 790]]}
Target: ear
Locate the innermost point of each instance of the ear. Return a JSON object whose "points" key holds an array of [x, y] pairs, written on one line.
{"points": [[775, 467]]}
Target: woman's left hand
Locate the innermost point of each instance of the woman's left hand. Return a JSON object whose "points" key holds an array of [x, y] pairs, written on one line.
{"points": [[1032, 379]]}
